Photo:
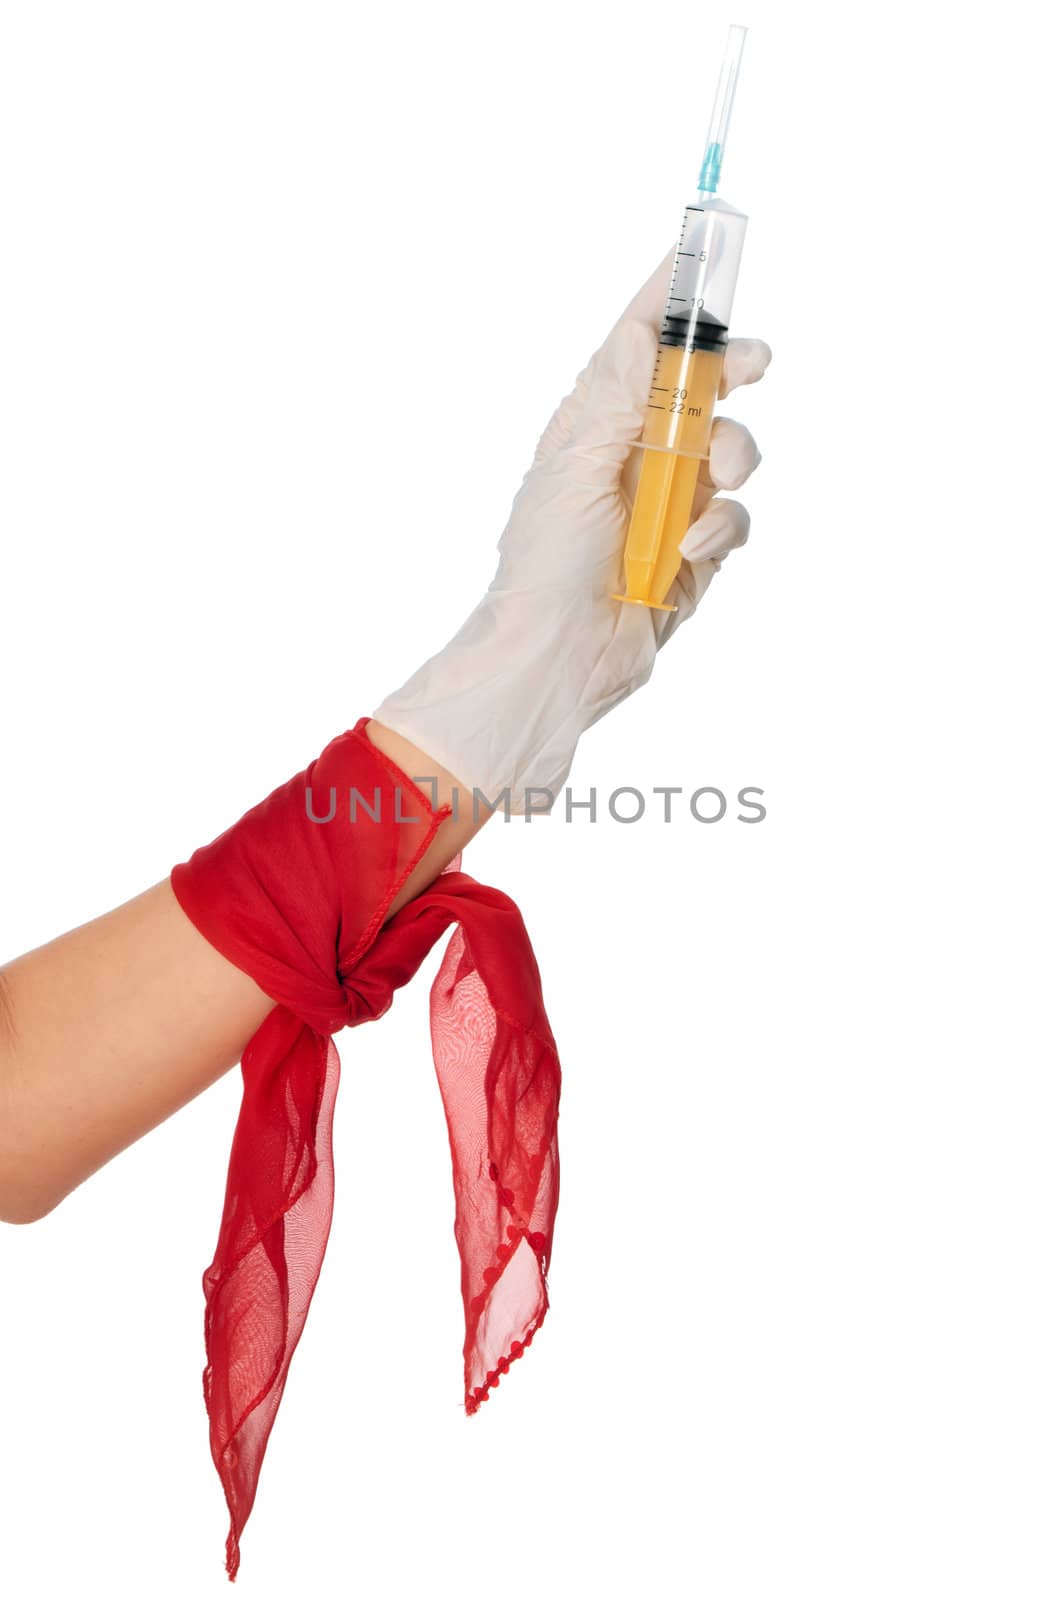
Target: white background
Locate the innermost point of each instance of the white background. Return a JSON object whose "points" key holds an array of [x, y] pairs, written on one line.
{"points": [[288, 292]]}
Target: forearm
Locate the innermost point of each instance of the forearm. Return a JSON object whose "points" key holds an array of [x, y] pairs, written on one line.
{"points": [[111, 1028], [114, 1026]]}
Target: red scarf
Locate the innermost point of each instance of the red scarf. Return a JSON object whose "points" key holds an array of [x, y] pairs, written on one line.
{"points": [[295, 894]]}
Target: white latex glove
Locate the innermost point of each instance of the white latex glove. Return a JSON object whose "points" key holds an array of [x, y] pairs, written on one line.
{"points": [[547, 651]]}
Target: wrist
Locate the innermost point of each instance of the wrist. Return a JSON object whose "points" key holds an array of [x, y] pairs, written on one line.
{"points": [[499, 706], [444, 792]]}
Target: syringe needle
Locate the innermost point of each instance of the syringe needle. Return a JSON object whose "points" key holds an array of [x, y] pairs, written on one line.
{"points": [[712, 160]]}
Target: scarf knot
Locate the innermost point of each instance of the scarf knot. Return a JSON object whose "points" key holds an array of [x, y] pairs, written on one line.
{"points": [[301, 908]]}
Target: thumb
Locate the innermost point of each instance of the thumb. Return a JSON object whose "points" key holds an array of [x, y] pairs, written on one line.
{"points": [[646, 306], [612, 415]]}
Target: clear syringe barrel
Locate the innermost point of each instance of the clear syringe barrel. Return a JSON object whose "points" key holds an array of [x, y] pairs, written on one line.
{"points": [[682, 397], [701, 293]]}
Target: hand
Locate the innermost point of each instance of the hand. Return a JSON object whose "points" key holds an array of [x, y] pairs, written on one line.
{"points": [[547, 651]]}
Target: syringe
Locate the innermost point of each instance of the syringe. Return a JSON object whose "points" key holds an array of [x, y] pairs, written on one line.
{"points": [[686, 376]]}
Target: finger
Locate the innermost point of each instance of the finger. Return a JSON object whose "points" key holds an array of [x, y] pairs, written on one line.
{"points": [[704, 548], [690, 586], [733, 454], [745, 361], [721, 528], [706, 486]]}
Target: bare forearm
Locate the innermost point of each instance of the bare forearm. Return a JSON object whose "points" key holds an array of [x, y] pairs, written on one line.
{"points": [[114, 1026], [111, 1028]]}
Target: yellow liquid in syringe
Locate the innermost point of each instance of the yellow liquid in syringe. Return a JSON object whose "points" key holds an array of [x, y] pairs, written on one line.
{"points": [[678, 419]]}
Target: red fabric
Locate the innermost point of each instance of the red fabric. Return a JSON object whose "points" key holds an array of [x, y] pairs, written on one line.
{"points": [[299, 905]]}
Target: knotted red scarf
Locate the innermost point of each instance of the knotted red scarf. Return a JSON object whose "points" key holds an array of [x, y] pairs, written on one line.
{"points": [[295, 894]]}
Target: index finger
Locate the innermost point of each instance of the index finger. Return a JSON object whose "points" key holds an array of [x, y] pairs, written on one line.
{"points": [[745, 361]]}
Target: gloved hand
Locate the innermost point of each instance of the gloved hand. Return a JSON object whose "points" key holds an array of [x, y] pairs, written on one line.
{"points": [[547, 652]]}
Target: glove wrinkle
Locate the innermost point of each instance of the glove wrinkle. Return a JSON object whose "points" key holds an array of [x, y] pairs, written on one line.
{"points": [[548, 650]]}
